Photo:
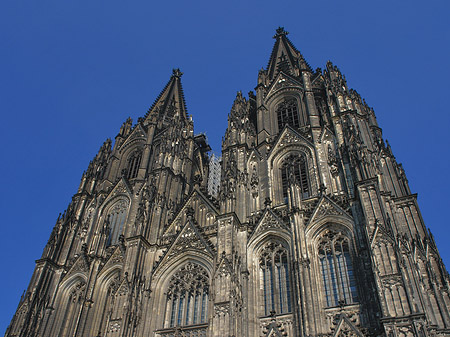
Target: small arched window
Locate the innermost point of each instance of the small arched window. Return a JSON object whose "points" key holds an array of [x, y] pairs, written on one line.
{"points": [[274, 271], [337, 270], [116, 220], [295, 166], [187, 297], [134, 161], [287, 113]]}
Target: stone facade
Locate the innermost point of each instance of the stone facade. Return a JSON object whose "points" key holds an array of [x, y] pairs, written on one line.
{"points": [[314, 230]]}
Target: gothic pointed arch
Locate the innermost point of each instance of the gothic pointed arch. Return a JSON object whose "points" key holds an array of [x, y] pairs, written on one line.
{"points": [[115, 221], [187, 296], [286, 107], [68, 304], [103, 298], [133, 163], [292, 157], [334, 263], [271, 274], [182, 294]]}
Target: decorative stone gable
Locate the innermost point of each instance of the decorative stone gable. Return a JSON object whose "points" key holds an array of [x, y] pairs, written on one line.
{"points": [[273, 329], [224, 267], [116, 258], [291, 138], [269, 221], [199, 200], [345, 328], [189, 239], [123, 288], [283, 81], [121, 188], [80, 265], [138, 135], [327, 207]]}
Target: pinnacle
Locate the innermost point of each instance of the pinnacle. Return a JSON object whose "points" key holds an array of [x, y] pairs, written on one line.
{"points": [[280, 32], [171, 97], [176, 73]]}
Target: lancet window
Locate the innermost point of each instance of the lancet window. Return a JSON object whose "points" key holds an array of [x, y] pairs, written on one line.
{"points": [[116, 220], [274, 275], [187, 297], [287, 113], [294, 167], [73, 302], [104, 304], [337, 270], [134, 161]]}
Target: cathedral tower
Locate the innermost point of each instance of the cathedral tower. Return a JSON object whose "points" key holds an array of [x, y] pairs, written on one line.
{"points": [[313, 230]]}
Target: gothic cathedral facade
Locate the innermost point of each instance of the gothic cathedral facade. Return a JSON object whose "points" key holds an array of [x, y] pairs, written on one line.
{"points": [[312, 230]]}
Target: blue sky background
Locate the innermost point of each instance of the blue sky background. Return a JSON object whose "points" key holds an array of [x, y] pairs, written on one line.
{"points": [[72, 71]]}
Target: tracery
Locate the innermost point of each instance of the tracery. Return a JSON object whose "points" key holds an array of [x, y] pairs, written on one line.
{"points": [[116, 220], [187, 296], [295, 166], [276, 285], [337, 269], [134, 161], [287, 113]]}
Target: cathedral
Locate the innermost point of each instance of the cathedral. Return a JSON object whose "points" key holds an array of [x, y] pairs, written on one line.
{"points": [[305, 226]]}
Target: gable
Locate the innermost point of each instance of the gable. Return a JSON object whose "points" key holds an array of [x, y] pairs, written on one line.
{"points": [[327, 207], [345, 328], [197, 200], [189, 239], [137, 135], [282, 81], [290, 138], [269, 221], [121, 188], [80, 265], [116, 258]]}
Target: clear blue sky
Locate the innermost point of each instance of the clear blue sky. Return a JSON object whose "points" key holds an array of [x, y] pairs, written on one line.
{"points": [[72, 71]]}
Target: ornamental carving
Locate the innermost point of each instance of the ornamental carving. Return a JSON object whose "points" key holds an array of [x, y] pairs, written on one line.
{"points": [[190, 279], [221, 309], [114, 325], [326, 208], [118, 207], [77, 292], [187, 240], [269, 222], [120, 189], [391, 280]]}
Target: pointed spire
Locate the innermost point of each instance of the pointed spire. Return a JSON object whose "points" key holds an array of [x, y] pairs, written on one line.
{"points": [[170, 102], [285, 57]]}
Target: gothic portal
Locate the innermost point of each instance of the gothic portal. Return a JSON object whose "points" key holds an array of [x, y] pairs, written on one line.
{"points": [[306, 226]]}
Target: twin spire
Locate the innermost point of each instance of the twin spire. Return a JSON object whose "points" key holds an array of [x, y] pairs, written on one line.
{"points": [[284, 58]]}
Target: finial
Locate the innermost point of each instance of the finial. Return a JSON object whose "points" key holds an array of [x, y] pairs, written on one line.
{"points": [[280, 32], [177, 73]]}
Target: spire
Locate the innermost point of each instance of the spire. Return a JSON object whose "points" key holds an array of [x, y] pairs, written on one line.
{"points": [[170, 101], [285, 57]]}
